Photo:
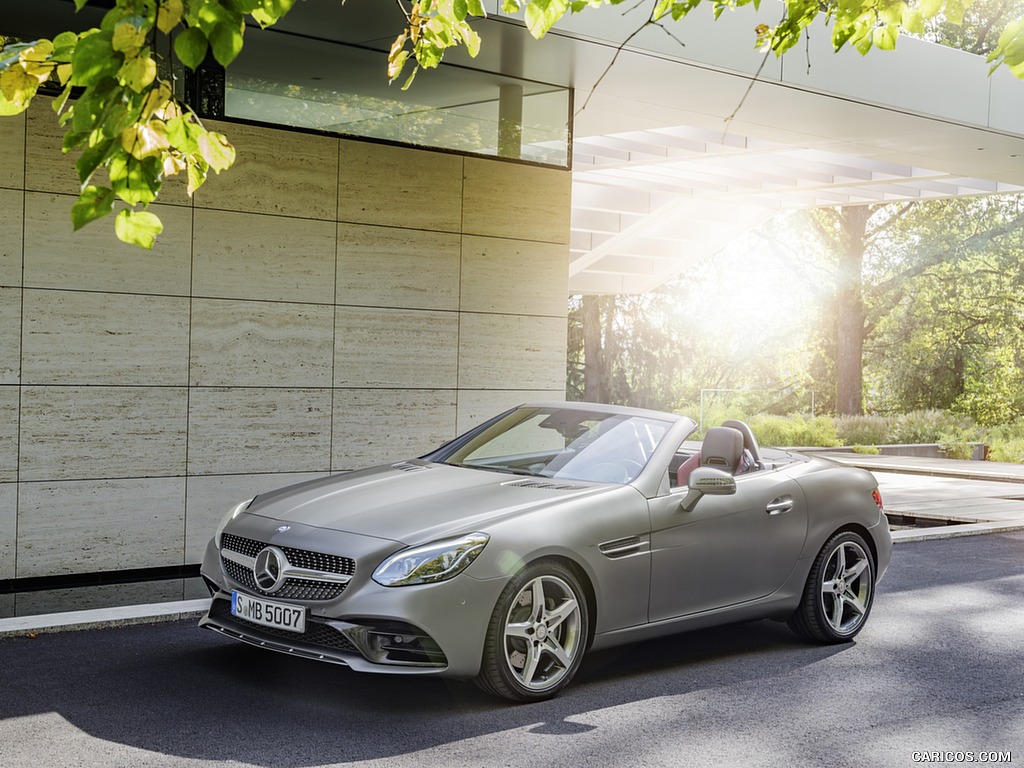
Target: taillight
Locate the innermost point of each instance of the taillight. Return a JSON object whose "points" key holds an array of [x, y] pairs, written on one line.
{"points": [[877, 496]]}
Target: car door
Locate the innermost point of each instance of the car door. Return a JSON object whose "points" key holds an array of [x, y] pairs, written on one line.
{"points": [[728, 549]]}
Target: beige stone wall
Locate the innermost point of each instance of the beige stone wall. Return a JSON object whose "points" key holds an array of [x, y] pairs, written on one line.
{"points": [[310, 311]]}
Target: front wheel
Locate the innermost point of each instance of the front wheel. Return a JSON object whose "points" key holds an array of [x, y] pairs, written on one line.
{"points": [[839, 592], [536, 636]]}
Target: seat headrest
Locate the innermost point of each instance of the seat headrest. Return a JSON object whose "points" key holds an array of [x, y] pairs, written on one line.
{"points": [[722, 448], [749, 441]]}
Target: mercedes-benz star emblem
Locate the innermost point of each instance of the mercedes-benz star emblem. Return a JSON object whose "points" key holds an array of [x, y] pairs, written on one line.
{"points": [[268, 569]]}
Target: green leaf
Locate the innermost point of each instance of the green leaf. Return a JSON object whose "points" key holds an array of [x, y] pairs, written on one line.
{"points": [[272, 11], [8, 108], [408, 82], [216, 150], [18, 87], [94, 203], [183, 133], [913, 21], [471, 39], [138, 72], [92, 105], [862, 42], [190, 47], [1010, 50], [196, 173], [541, 15], [428, 55], [64, 46], [94, 59], [226, 41], [137, 227], [169, 15], [397, 64], [841, 35], [885, 37], [210, 13], [60, 101], [660, 9], [135, 181], [954, 10], [92, 158], [179, 136], [891, 14], [476, 8], [128, 37]]}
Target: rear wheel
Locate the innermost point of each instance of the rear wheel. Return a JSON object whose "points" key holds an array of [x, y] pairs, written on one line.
{"points": [[537, 634], [839, 592]]}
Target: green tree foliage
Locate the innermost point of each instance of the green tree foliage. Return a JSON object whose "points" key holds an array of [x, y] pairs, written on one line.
{"points": [[954, 337], [937, 304], [129, 132], [979, 30]]}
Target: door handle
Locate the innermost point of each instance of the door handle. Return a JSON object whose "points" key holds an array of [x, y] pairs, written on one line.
{"points": [[779, 506]]}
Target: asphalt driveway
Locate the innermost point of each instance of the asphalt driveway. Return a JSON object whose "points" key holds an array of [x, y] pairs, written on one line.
{"points": [[938, 669]]}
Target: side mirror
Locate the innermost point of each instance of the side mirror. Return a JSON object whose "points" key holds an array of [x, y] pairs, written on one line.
{"points": [[707, 481]]}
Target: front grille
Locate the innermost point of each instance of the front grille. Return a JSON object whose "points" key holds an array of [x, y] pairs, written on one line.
{"points": [[247, 547], [317, 632], [293, 588]]}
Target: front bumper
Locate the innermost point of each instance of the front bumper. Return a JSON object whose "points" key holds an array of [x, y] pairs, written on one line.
{"points": [[429, 629]]}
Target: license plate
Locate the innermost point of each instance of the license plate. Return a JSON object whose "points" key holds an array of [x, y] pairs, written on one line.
{"points": [[268, 612]]}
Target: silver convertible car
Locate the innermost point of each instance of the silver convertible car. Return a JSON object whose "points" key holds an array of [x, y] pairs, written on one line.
{"points": [[552, 529]]}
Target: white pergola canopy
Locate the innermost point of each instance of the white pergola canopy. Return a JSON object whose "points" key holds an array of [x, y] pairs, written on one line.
{"points": [[681, 149]]}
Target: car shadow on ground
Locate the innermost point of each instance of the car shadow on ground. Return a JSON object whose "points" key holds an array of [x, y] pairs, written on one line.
{"points": [[179, 691]]}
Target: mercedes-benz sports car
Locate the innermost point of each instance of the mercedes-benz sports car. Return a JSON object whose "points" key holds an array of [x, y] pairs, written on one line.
{"points": [[554, 528]]}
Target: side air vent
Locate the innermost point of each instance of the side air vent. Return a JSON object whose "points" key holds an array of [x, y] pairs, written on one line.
{"points": [[621, 547], [405, 466], [546, 485]]}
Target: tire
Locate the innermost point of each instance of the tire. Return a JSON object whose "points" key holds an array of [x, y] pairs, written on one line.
{"points": [[537, 634], [839, 592]]}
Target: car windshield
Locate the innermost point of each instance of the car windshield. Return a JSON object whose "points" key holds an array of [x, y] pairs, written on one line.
{"points": [[568, 444]]}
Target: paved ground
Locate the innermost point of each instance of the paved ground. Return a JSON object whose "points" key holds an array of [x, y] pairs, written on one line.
{"points": [[979, 495], [938, 669], [949, 499]]}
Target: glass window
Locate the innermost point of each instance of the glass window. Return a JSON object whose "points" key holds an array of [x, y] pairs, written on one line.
{"points": [[344, 90]]}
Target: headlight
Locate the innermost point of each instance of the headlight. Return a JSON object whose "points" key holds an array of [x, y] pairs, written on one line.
{"points": [[234, 512], [429, 563]]}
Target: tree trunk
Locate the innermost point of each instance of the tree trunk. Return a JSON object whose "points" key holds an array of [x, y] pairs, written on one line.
{"points": [[595, 375], [850, 302]]}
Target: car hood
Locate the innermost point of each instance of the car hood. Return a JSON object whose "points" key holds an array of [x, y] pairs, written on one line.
{"points": [[415, 501]]}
